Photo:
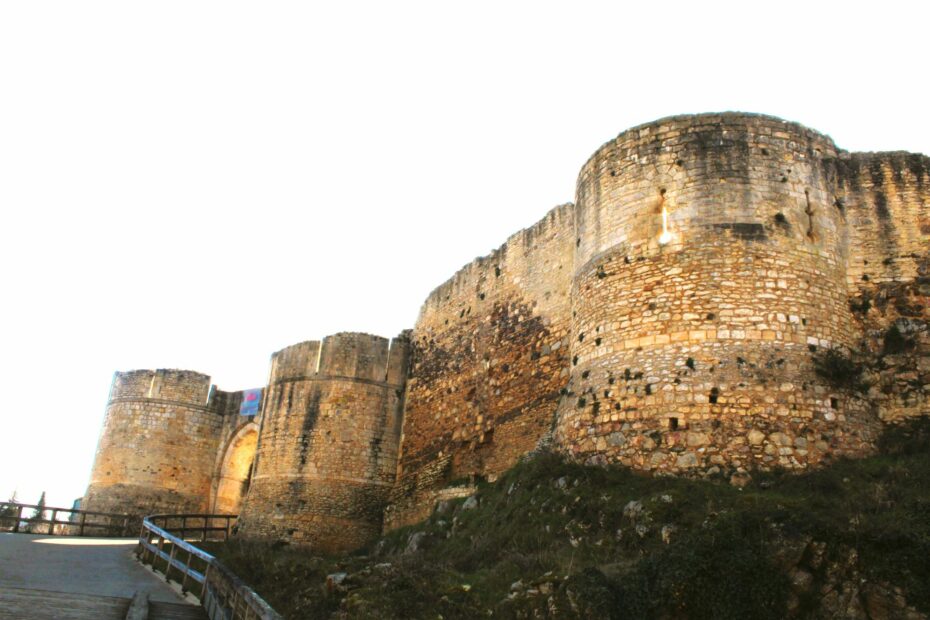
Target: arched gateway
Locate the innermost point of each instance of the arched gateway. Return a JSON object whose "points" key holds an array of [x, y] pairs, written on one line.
{"points": [[235, 470]]}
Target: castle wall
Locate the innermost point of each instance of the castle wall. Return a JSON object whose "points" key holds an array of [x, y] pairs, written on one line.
{"points": [[327, 450], [669, 321], [490, 356], [158, 445], [695, 353], [887, 200]]}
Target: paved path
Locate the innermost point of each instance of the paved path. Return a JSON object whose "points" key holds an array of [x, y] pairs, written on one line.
{"points": [[34, 567]]}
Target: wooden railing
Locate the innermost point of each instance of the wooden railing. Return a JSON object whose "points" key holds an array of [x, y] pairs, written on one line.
{"points": [[163, 545], [204, 526], [78, 523]]}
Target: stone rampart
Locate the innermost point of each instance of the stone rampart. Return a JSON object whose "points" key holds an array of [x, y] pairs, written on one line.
{"points": [[490, 357]]}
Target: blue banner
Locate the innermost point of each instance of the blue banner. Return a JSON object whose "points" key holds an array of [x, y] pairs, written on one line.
{"points": [[251, 402]]}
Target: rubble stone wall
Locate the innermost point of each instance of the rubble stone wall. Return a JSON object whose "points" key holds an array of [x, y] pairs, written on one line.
{"points": [[887, 200], [490, 357]]}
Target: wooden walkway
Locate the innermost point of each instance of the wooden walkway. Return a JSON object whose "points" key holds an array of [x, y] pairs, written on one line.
{"points": [[44, 577], [21, 603]]}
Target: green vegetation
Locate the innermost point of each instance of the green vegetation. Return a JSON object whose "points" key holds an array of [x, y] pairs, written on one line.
{"points": [[38, 514], [894, 341], [841, 371], [8, 513], [556, 539]]}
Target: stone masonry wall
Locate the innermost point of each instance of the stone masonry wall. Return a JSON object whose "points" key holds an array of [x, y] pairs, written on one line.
{"points": [[490, 356], [692, 341], [887, 200], [670, 320], [327, 450], [158, 445]]}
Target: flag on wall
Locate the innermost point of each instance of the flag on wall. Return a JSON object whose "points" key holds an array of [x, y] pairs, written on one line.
{"points": [[251, 402]]}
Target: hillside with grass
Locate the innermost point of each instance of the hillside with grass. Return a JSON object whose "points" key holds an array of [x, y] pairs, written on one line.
{"points": [[552, 539]]}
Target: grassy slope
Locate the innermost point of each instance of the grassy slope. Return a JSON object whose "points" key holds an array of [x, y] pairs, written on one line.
{"points": [[698, 549]]}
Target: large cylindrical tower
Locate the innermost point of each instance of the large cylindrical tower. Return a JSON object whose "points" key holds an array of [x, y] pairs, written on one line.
{"points": [[327, 449], [709, 269], [158, 445]]}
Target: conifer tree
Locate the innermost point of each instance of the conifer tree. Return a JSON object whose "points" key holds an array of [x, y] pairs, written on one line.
{"points": [[37, 515]]}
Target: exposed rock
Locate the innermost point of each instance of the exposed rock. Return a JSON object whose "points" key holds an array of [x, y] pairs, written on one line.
{"points": [[667, 532], [415, 542], [334, 581], [633, 510], [740, 478]]}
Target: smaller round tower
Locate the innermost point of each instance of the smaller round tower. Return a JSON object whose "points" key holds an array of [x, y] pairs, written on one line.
{"points": [[158, 445], [327, 449]]}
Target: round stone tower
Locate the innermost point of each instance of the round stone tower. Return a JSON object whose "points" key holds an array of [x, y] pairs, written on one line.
{"points": [[327, 449], [158, 445], [709, 268]]}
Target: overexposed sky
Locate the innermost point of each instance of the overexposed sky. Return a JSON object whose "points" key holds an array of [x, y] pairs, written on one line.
{"points": [[195, 185]]}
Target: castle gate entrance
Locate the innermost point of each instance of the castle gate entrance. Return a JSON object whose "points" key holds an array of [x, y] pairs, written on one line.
{"points": [[236, 470]]}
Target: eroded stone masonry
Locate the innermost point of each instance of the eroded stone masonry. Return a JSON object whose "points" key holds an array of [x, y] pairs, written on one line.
{"points": [[728, 292]]}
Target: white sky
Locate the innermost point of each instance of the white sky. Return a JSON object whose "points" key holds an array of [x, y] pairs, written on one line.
{"points": [[194, 185]]}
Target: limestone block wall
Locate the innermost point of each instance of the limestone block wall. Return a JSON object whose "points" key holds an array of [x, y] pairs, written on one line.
{"points": [[158, 444], [490, 356], [710, 264], [327, 449]]}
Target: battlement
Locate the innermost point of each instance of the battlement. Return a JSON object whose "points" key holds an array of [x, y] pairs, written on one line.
{"points": [[296, 361], [184, 386], [503, 265], [347, 355]]}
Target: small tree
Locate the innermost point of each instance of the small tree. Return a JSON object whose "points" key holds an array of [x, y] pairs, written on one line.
{"points": [[8, 513], [37, 515]]}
